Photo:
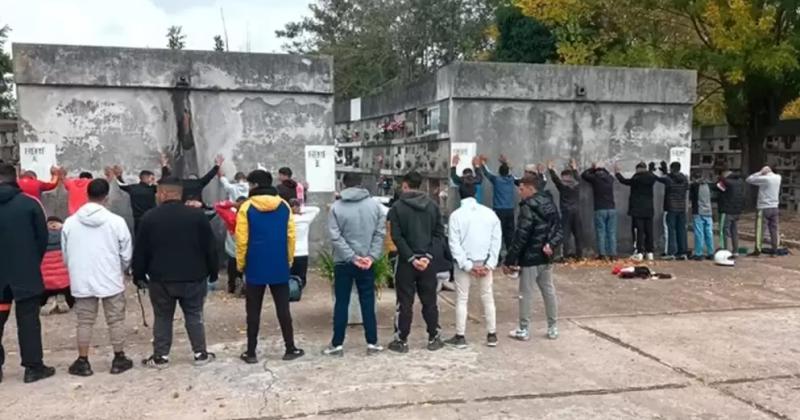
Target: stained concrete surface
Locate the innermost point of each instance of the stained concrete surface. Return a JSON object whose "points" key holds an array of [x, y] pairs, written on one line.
{"points": [[711, 343]]}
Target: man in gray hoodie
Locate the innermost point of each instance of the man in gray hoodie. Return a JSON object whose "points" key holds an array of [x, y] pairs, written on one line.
{"points": [[769, 194], [357, 228]]}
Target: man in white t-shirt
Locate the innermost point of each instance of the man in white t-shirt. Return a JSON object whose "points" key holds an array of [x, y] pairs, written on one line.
{"points": [[303, 216]]}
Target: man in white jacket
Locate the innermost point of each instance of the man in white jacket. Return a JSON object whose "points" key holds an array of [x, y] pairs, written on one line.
{"points": [[769, 194], [475, 238], [97, 250]]}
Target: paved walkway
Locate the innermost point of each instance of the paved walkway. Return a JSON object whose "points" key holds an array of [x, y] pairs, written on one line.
{"points": [[711, 343]]}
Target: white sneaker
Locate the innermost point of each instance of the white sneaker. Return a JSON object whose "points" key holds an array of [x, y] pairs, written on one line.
{"points": [[637, 257], [520, 334], [333, 351], [650, 256], [552, 332], [374, 348], [49, 307]]}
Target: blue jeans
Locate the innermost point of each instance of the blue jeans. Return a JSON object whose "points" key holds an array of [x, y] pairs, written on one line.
{"points": [[676, 233], [344, 274], [605, 230], [703, 235]]}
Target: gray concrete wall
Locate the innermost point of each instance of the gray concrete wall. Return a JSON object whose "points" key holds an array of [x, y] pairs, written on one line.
{"points": [[102, 106]]}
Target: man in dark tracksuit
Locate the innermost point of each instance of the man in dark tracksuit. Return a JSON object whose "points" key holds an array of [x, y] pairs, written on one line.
{"points": [[174, 255], [569, 198], [675, 191], [23, 241], [640, 209], [731, 189], [605, 211], [193, 186], [142, 195], [416, 227]]}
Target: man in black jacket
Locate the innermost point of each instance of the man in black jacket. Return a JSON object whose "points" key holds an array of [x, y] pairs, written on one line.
{"points": [[640, 209], [605, 211], [23, 242], [731, 189], [531, 252], [143, 194], [569, 199], [675, 191], [174, 255], [193, 186], [416, 226]]}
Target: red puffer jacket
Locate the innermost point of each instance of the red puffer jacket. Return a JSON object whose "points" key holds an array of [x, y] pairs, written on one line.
{"points": [[54, 271]]}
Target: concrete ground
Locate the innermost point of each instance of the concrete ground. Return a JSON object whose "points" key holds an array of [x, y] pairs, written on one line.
{"points": [[711, 343]]}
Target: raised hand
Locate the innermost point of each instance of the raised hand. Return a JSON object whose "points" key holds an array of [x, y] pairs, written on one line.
{"points": [[108, 171], [164, 159], [503, 159], [550, 165], [540, 168], [616, 167], [117, 170], [573, 164], [476, 161], [547, 250], [218, 160], [456, 160]]}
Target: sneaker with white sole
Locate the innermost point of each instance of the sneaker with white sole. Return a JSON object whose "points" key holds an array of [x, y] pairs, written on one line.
{"points": [[49, 307], [520, 334], [457, 341], [156, 362], [491, 340], [62, 306], [552, 332], [204, 358], [374, 348], [637, 257], [650, 256], [333, 351]]}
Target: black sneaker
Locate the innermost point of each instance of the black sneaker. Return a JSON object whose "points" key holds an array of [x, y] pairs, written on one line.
{"points": [[754, 254], [436, 343], [81, 367], [39, 373], [491, 340], [293, 354], [457, 341], [248, 358], [710, 257], [398, 346], [682, 257], [698, 258], [120, 364], [203, 358], [156, 362]]}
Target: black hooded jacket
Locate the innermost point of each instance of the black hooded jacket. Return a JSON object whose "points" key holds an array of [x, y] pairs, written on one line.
{"points": [[676, 187], [416, 224], [538, 224], [568, 192], [602, 188], [640, 201], [731, 200], [23, 242]]}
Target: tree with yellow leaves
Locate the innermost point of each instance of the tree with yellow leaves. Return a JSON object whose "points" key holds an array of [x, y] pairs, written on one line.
{"points": [[744, 50]]}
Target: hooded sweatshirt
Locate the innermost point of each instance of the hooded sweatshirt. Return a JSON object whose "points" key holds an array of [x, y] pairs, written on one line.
{"points": [[34, 188], [416, 224], [77, 193], [236, 189], [265, 239], [700, 196], [302, 224], [474, 235], [357, 226], [23, 242], [504, 188], [96, 246], [602, 188], [769, 189], [568, 192]]}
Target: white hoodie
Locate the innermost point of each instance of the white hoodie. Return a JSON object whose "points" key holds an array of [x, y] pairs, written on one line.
{"points": [[302, 223], [96, 245], [474, 235]]}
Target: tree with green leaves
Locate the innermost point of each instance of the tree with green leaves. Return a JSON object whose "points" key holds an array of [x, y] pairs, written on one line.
{"points": [[219, 44], [376, 43], [745, 51], [7, 105], [176, 40], [521, 38]]}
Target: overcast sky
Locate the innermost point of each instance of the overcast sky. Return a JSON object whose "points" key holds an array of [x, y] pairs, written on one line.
{"points": [[144, 23]]}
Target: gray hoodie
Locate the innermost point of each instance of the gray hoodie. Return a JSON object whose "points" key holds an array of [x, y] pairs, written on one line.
{"points": [[357, 226], [769, 189]]}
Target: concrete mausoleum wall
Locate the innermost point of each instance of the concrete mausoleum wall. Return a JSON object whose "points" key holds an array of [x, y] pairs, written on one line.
{"points": [[535, 113], [102, 106]]}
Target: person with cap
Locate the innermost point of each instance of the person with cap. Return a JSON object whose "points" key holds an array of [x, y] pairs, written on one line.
{"points": [[538, 234], [640, 209], [676, 186], [568, 186], [475, 238], [174, 256], [503, 192], [265, 245], [769, 194], [357, 227], [97, 249], [22, 246], [470, 175], [730, 205], [605, 210]]}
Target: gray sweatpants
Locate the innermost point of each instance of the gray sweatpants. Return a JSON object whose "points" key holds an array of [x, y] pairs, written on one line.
{"points": [[542, 276]]}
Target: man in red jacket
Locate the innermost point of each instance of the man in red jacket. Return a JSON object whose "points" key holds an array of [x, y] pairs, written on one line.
{"points": [[30, 184], [76, 190]]}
